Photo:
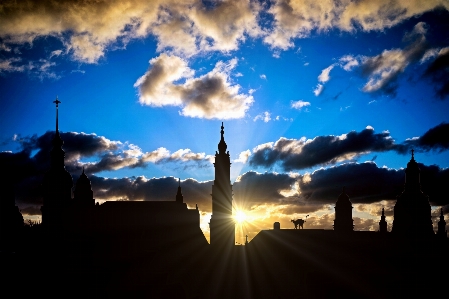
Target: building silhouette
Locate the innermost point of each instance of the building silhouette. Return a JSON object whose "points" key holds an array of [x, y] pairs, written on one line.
{"points": [[383, 222], [156, 249], [412, 211], [222, 226], [343, 213]]}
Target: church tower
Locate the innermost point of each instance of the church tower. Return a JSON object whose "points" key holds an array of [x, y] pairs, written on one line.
{"points": [[412, 213], [343, 213], [222, 226], [57, 183]]}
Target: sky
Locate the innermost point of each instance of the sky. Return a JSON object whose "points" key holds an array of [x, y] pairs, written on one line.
{"points": [[314, 96]]}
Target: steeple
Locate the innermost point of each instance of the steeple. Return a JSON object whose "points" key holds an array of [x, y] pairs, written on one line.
{"points": [[222, 226], [382, 222], [343, 213], [57, 153], [222, 146], [179, 197], [442, 225], [57, 183]]}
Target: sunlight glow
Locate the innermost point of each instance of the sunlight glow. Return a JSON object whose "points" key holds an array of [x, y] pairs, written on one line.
{"points": [[240, 217]]}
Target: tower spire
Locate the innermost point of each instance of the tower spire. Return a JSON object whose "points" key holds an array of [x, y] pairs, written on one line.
{"points": [[179, 197], [57, 102], [222, 146]]}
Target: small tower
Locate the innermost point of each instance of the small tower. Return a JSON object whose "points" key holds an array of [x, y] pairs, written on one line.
{"points": [[179, 197], [343, 213], [412, 211], [382, 222], [83, 193], [222, 226], [442, 225], [57, 183]]}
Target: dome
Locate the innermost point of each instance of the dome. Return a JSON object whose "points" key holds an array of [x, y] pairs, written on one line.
{"points": [[343, 199]]}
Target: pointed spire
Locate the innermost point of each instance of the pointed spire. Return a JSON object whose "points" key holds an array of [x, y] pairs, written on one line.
{"points": [[413, 155], [57, 102], [179, 197], [222, 146], [383, 222]]}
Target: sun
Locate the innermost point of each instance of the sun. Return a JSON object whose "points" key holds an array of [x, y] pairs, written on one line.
{"points": [[240, 216]]}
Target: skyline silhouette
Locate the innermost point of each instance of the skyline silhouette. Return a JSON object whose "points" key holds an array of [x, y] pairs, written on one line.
{"points": [[157, 249]]}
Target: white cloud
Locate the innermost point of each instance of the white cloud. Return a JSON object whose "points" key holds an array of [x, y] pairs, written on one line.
{"points": [[348, 62], [298, 18], [212, 95], [318, 89], [243, 157], [88, 28], [300, 104], [263, 77], [265, 116], [324, 76]]}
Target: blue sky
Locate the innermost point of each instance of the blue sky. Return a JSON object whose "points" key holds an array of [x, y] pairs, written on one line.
{"points": [[150, 83]]}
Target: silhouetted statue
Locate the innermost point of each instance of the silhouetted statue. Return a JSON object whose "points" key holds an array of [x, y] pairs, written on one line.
{"points": [[412, 211], [343, 213], [222, 226], [383, 222], [298, 223], [442, 225]]}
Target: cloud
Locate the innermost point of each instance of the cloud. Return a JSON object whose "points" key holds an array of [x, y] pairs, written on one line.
{"points": [[212, 95], [318, 89], [368, 183], [324, 76], [87, 29], [243, 157], [383, 70], [436, 138], [322, 150], [263, 77], [265, 116], [348, 62], [438, 72], [297, 19], [299, 104]]}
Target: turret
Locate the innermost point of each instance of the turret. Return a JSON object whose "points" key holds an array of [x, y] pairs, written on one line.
{"points": [[343, 213], [179, 197], [383, 222]]}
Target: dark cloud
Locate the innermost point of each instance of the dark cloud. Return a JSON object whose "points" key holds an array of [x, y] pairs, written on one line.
{"points": [[294, 154], [367, 183], [438, 72], [300, 154], [436, 138], [384, 69], [253, 187]]}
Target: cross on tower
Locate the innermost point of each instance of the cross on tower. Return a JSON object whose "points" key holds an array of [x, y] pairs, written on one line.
{"points": [[57, 102]]}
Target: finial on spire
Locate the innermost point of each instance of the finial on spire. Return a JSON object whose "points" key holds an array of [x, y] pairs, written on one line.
{"points": [[179, 182], [83, 170], [383, 212], [222, 131], [413, 154], [57, 102]]}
